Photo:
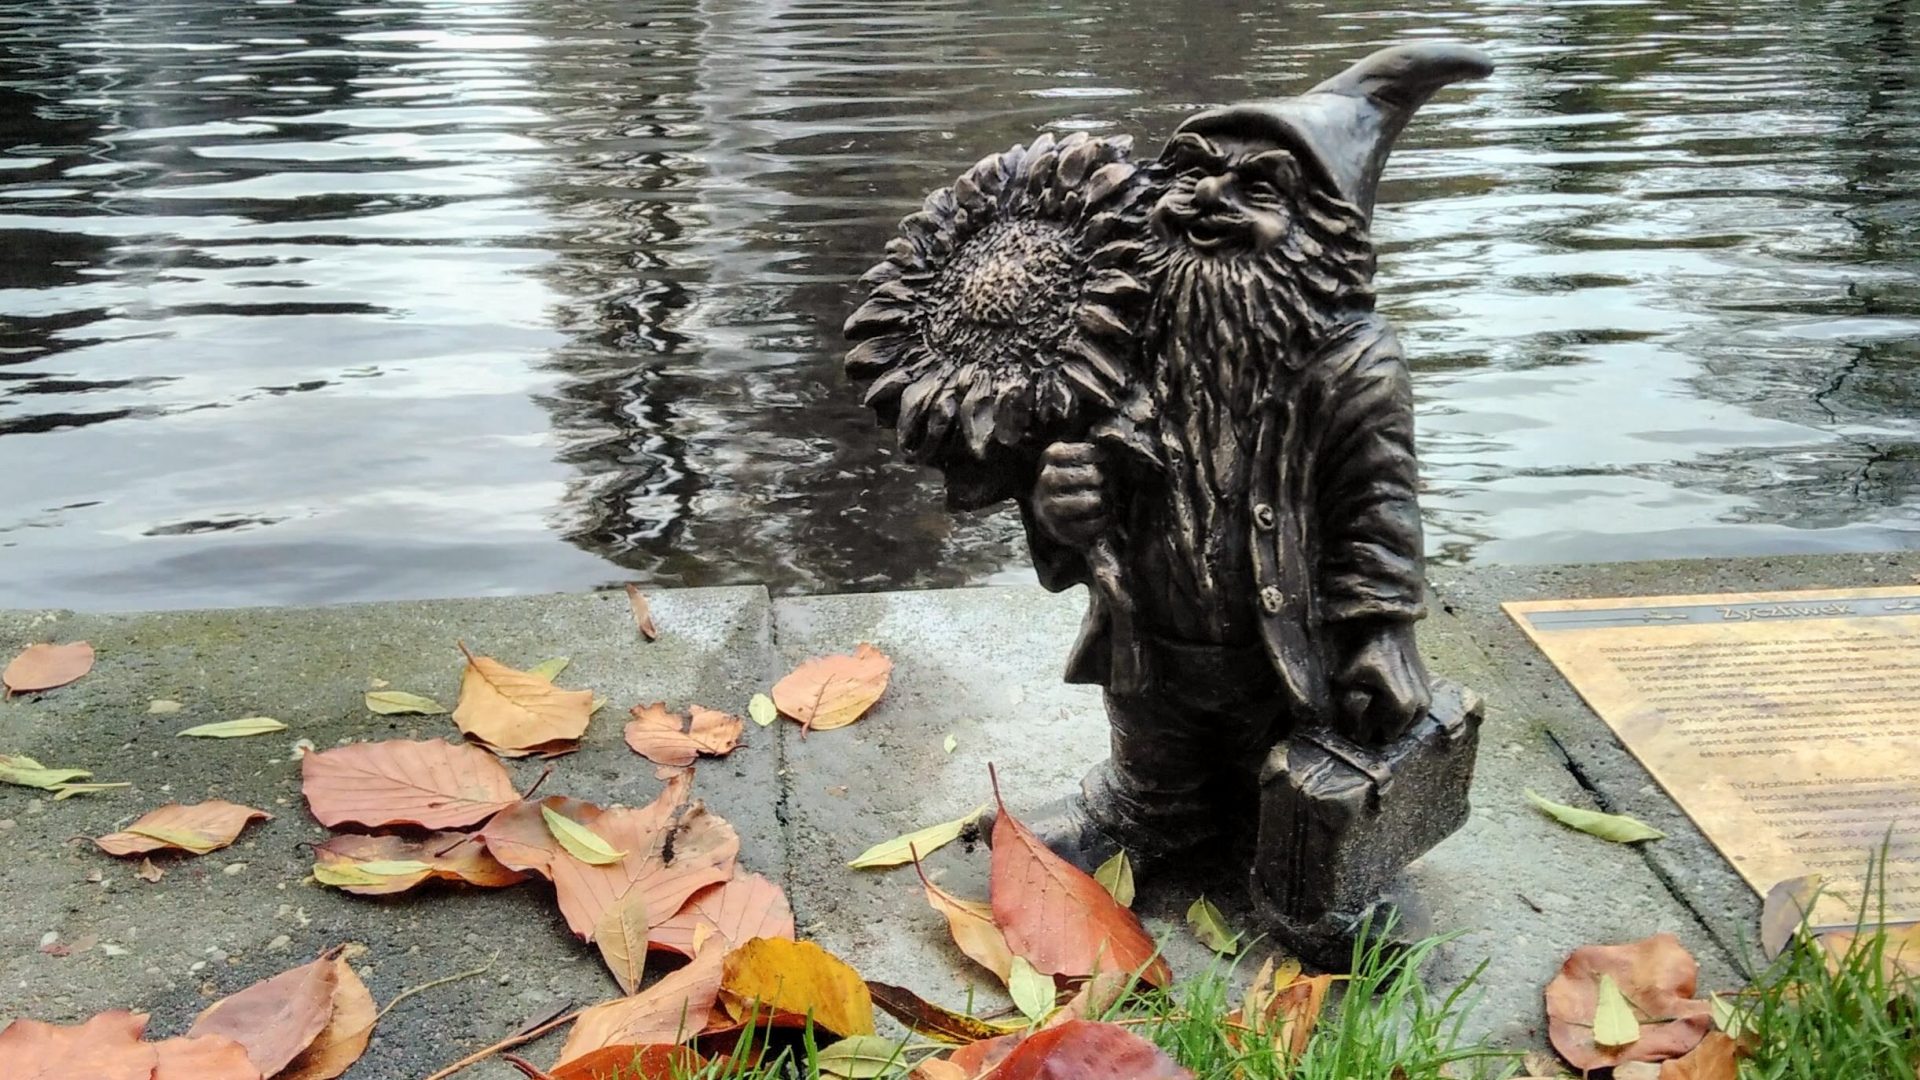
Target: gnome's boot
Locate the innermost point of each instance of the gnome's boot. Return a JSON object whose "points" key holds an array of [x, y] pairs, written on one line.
{"points": [[1094, 824]]}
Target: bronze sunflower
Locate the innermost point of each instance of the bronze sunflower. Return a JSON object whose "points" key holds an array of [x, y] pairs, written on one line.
{"points": [[1006, 314]]}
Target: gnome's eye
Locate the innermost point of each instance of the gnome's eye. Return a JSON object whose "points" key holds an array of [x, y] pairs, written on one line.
{"points": [[1261, 191]]}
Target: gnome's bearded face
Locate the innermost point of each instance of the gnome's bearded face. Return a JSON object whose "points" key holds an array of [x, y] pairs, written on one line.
{"points": [[1229, 198]]}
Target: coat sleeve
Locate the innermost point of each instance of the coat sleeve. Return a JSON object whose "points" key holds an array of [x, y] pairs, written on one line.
{"points": [[1366, 480], [1059, 567]]}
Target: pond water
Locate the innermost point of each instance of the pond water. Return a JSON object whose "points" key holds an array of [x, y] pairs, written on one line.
{"points": [[319, 301]]}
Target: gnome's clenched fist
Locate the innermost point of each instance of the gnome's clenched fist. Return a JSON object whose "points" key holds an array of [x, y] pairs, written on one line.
{"points": [[1070, 498]]}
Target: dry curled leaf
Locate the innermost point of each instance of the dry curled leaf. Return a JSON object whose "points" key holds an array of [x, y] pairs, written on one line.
{"points": [[670, 1011], [972, 926], [632, 1063], [1084, 1050], [642, 613], [277, 1018], [199, 828], [666, 738], [149, 873], [381, 865], [47, 667], [830, 692], [401, 703], [796, 978], [745, 907], [432, 784], [1789, 906], [1656, 976], [516, 713], [923, 1017], [348, 1030], [1716, 1058]]}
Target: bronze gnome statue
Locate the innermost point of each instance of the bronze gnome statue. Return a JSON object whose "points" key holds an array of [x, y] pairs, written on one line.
{"points": [[1175, 369]]}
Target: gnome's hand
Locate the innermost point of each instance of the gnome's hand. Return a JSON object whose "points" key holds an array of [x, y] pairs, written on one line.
{"points": [[1383, 689], [1070, 498]]}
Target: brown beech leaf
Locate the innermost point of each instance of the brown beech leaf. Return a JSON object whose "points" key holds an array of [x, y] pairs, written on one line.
{"points": [[1788, 907], [632, 1063], [380, 865], [515, 713], [1716, 1058], [702, 846], [972, 926], [923, 1017], [199, 828], [1657, 976], [277, 1018], [203, 1057], [642, 613], [1294, 1012], [1058, 917], [738, 910], [433, 784], [44, 667], [664, 738], [621, 938], [829, 692], [1083, 1050], [800, 979], [519, 837], [346, 1035], [670, 1011], [105, 1047]]}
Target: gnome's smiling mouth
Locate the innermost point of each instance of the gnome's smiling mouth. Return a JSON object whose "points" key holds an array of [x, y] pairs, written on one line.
{"points": [[1210, 231]]}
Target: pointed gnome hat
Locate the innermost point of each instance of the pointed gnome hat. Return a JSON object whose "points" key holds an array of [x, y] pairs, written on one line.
{"points": [[1347, 124]]}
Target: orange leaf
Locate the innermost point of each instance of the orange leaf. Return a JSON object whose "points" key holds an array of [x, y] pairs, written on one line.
{"points": [[797, 978], [200, 828], [746, 907], [44, 667], [346, 1035], [432, 784], [1294, 1012], [277, 1018], [670, 1011], [1657, 976], [1083, 1050], [663, 738], [621, 938], [632, 1063], [642, 613], [106, 1047], [702, 845], [971, 924], [515, 713], [1716, 1058], [450, 856], [1058, 917], [204, 1057], [975, 1059], [829, 692], [937, 1069], [519, 837]]}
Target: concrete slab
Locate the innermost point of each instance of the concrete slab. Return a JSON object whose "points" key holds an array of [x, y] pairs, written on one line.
{"points": [[217, 923]]}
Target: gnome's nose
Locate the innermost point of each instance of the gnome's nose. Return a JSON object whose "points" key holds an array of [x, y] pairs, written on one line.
{"points": [[1210, 193]]}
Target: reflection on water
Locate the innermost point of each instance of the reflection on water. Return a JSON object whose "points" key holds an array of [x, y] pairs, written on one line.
{"points": [[328, 300]]}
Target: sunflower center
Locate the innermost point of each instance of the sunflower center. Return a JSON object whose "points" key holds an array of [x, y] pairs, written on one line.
{"points": [[1015, 282]]}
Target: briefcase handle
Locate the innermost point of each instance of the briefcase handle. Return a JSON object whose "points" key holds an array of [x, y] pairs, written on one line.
{"points": [[1345, 750]]}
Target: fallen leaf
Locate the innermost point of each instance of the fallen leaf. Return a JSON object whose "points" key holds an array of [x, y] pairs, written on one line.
{"points": [[642, 613], [1033, 994], [797, 978], [621, 938], [763, 710], [830, 692], [632, 1063], [45, 667], [200, 828], [1294, 1013], [937, 1069], [68, 791], [235, 729], [670, 1011], [664, 738], [105, 1047], [515, 713], [1730, 1016], [26, 772], [401, 703], [203, 1057], [149, 872], [1057, 916], [1084, 1050], [277, 1018], [1636, 1070], [349, 1029], [745, 907], [431, 784], [902, 850], [1716, 1058], [1788, 907], [549, 669], [1657, 978], [162, 705], [950, 744], [381, 865], [518, 835], [1116, 876], [923, 1017], [972, 926], [1615, 827], [1211, 927], [975, 1059], [862, 1057], [1613, 1021], [579, 841]]}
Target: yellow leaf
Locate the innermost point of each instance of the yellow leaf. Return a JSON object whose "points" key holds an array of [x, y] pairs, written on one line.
{"points": [[393, 867], [399, 702], [234, 729], [863, 1057], [581, 842], [798, 978], [1615, 827], [1613, 1021], [23, 770], [951, 744], [1731, 1018], [763, 710], [68, 791], [900, 850], [1116, 876], [549, 669], [1211, 927], [340, 875], [621, 937], [1032, 992]]}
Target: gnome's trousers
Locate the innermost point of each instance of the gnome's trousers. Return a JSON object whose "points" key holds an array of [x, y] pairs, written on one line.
{"points": [[1187, 751]]}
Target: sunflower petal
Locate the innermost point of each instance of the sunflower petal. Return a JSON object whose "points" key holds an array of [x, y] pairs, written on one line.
{"points": [[878, 315], [1108, 179], [967, 194], [880, 273], [1039, 173], [1075, 162], [1088, 383], [976, 414], [1116, 285], [875, 356], [1099, 360], [883, 397], [1120, 253]]}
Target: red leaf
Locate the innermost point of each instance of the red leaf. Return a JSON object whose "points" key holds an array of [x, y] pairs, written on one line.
{"points": [[976, 1058], [1658, 977], [44, 667], [632, 1063], [670, 1011], [1083, 1050], [1058, 917], [737, 911], [106, 1047], [277, 1018], [432, 784]]}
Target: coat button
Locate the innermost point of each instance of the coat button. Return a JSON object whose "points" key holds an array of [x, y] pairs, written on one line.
{"points": [[1263, 517], [1270, 599]]}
